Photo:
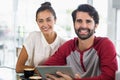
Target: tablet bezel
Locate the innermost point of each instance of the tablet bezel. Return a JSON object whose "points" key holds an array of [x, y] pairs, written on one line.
{"points": [[52, 70]]}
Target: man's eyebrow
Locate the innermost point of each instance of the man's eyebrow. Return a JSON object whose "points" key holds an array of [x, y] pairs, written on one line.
{"points": [[40, 19], [79, 19]]}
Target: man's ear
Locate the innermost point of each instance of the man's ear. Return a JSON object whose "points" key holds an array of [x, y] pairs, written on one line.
{"points": [[55, 21], [96, 25]]}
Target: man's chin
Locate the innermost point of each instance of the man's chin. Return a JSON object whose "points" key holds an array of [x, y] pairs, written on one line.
{"points": [[84, 37]]}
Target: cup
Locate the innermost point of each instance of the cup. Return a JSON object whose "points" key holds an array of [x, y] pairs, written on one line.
{"points": [[28, 72], [35, 78]]}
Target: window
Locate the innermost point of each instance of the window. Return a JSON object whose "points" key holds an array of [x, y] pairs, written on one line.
{"points": [[17, 19]]}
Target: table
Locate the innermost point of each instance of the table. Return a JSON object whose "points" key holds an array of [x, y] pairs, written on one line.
{"points": [[7, 73]]}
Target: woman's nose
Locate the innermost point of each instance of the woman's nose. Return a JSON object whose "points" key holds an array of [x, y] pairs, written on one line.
{"points": [[45, 23]]}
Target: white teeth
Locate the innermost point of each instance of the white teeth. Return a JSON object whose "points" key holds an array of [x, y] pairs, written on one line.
{"points": [[83, 30], [45, 28]]}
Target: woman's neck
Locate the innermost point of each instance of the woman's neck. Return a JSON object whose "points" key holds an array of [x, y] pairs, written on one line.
{"points": [[50, 37]]}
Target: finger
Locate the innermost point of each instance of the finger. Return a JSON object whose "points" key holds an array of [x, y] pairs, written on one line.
{"points": [[60, 73], [77, 76], [65, 76], [50, 77]]}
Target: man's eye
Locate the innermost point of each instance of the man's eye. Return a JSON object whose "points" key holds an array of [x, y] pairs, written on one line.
{"points": [[88, 21], [48, 20], [79, 21]]}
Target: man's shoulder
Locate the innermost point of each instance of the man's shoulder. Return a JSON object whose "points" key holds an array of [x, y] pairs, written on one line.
{"points": [[103, 40], [71, 42]]}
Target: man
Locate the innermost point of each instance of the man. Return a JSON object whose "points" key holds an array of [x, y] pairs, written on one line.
{"points": [[91, 57]]}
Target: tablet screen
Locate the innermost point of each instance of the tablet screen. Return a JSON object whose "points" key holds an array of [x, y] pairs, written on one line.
{"points": [[53, 69]]}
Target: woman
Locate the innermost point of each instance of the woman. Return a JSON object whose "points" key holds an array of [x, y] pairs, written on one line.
{"points": [[40, 44]]}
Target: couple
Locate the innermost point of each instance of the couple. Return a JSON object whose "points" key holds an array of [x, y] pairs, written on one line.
{"points": [[91, 57]]}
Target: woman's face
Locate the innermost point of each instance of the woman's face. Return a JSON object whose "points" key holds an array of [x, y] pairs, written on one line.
{"points": [[45, 21]]}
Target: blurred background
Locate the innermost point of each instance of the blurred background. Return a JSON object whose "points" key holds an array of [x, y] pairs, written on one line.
{"points": [[17, 20]]}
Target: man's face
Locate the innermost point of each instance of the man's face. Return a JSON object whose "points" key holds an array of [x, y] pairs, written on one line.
{"points": [[84, 25]]}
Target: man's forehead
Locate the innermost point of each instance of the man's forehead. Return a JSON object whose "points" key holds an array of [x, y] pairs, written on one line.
{"points": [[83, 15]]}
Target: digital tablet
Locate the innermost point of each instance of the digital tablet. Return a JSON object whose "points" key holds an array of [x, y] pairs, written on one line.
{"points": [[53, 69]]}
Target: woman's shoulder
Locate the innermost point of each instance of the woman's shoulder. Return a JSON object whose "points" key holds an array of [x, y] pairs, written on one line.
{"points": [[35, 33]]}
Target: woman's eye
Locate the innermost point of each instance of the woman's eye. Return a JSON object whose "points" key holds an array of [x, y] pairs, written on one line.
{"points": [[40, 21]]}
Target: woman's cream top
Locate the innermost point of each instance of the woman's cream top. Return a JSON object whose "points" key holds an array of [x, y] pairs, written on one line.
{"points": [[38, 49]]}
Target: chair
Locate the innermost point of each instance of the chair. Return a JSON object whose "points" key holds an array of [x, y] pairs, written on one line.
{"points": [[18, 50], [2, 55], [117, 76], [118, 59]]}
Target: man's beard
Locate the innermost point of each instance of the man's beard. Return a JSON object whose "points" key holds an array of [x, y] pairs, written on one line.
{"points": [[83, 36]]}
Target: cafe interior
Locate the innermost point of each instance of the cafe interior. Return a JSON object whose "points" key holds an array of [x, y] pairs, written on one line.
{"points": [[17, 20]]}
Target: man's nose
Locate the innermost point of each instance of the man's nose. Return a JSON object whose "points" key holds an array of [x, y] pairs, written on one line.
{"points": [[83, 24]]}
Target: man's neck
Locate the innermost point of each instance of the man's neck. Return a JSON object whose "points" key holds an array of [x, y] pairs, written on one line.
{"points": [[85, 44]]}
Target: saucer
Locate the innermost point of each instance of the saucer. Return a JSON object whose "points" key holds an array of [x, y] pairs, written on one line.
{"points": [[23, 77]]}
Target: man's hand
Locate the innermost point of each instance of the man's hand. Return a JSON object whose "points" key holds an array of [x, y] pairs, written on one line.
{"points": [[63, 76]]}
